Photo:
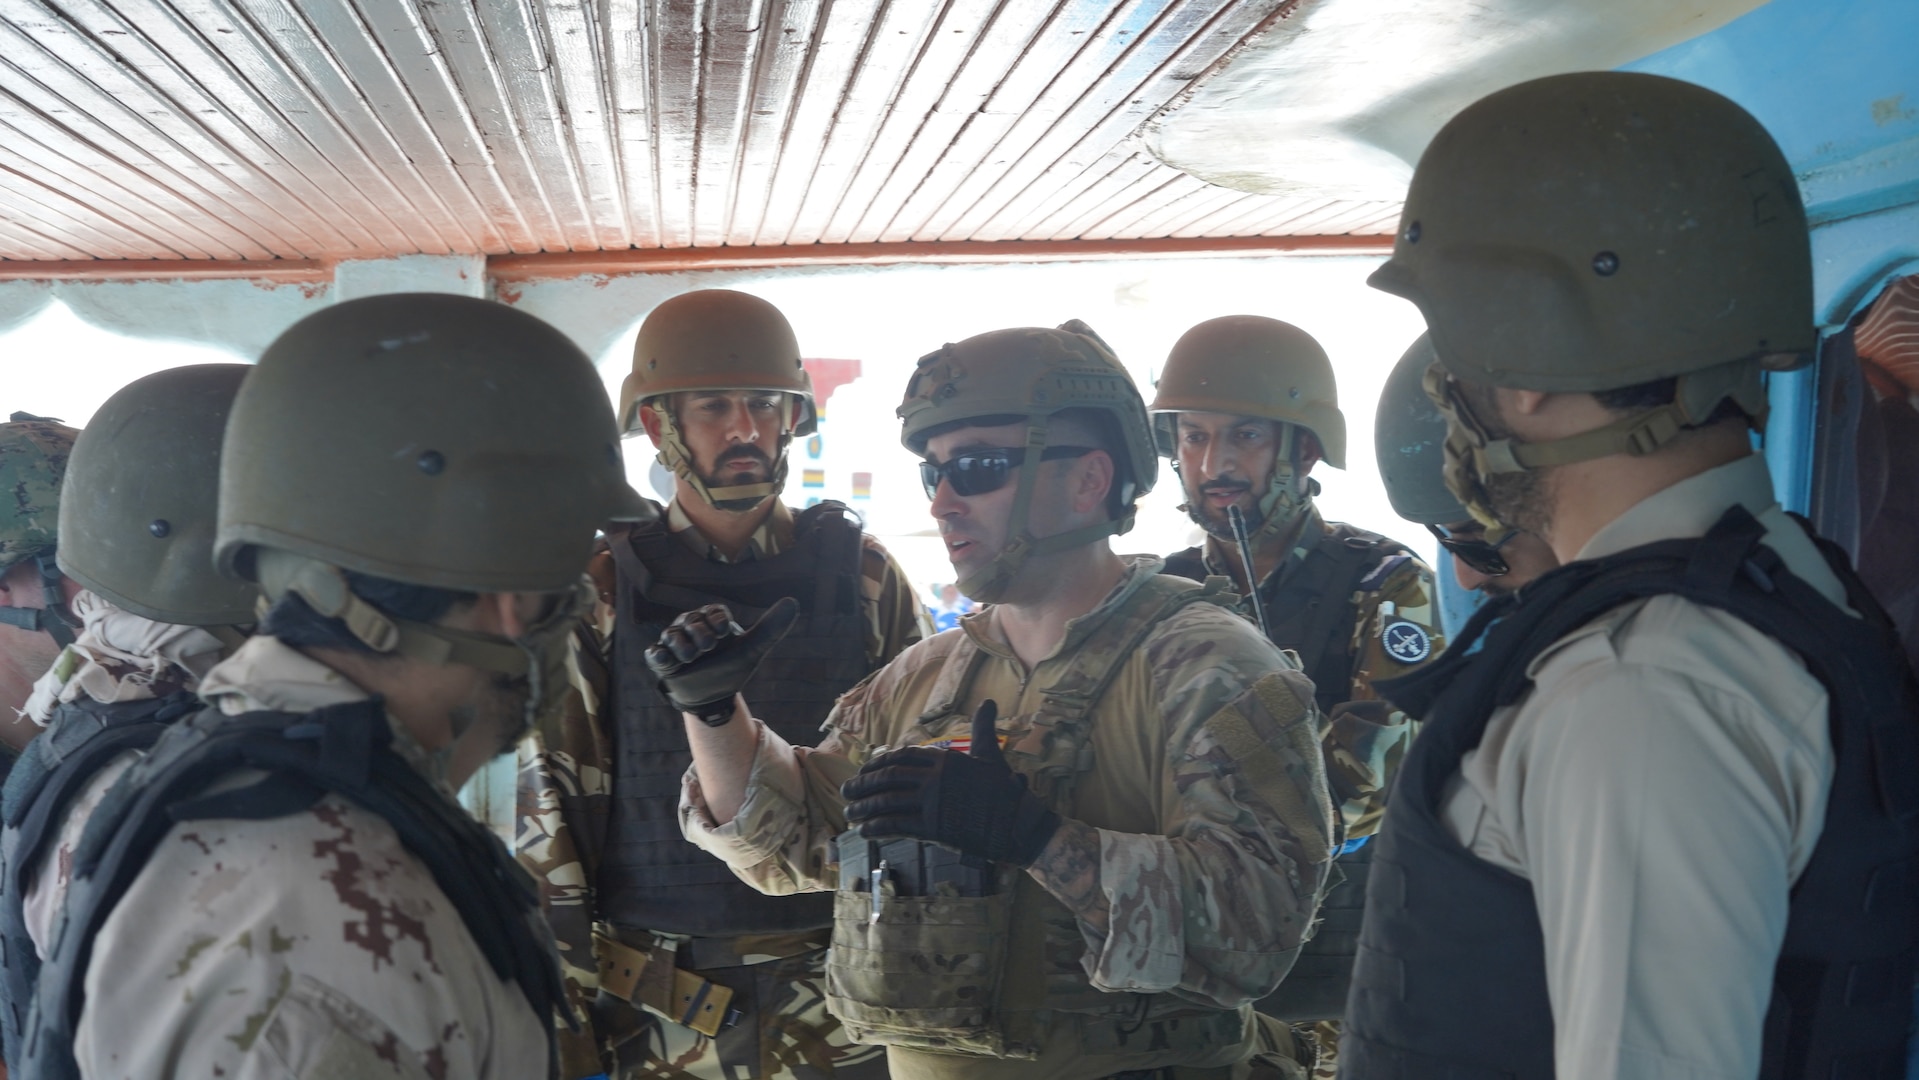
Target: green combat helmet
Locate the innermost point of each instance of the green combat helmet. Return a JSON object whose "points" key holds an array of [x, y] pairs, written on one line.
{"points": [[427, 439], [1030, 373], [33, 459], [138, 504], [1409, 439], [1594, 231], [1249, 365], [717, 340]]}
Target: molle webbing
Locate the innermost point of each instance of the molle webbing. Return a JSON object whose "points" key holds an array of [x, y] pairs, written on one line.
{"points": [[649, 877], [345, 750], [1311, 611], [80, 740]]}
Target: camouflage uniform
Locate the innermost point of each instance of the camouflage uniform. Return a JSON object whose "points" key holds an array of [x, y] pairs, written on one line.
{"points": [[33, 459], [566, 782], [243, 985], [1208, 792], [1365, 739]]}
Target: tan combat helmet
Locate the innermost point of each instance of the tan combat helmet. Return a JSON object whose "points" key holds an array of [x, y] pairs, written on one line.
{"points": [[1409, 439], [717, 340], [1029, 373], [33, 459], [1249, 365], [428, 439], [137, 507], [1601, 230]]}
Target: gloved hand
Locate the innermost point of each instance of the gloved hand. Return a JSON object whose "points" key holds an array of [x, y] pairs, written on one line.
{"points": [[972, 802], [704, 657]]}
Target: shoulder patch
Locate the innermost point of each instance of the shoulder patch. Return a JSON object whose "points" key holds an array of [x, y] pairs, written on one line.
{"points": [[1372, 581], [1406, 642]]}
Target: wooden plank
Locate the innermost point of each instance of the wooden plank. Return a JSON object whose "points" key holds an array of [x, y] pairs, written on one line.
{"points": [[741, 57], [452, 66], [946, 47], [1156, 218], [330, 49], [626, 77], [240, 136], [575, 34], [1384, 224], [59, 217], [839, 46], [509, 269], [266, 271], [18, 239], [901, 34], [1314, 222], [1225, 219], [1110, 178], [779, 73], [675, 68], [112, 108], [26, 154], [1160, 63], [1127, 204]]}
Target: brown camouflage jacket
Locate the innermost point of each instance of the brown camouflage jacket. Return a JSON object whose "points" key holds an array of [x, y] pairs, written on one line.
{"points": [[573, 755], [1212, 868], [1365, 737]]}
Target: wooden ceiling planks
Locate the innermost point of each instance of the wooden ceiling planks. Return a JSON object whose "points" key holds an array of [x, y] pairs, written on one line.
{"points": [[327, 129]]}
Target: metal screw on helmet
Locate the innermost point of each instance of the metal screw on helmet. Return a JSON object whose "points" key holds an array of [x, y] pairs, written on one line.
{"points": [[159, 527], [1605, 264], [432, 463], [1412, 233]]}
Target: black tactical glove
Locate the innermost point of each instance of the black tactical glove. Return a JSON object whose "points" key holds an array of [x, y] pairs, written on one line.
{"points": [[972, 802], [704, 658]]}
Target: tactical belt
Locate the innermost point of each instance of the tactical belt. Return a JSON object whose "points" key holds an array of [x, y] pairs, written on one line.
{"points": [[652, 977]]}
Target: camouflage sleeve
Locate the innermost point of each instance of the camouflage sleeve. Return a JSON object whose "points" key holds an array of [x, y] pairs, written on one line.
{"points": [[895, 616], [1396, 633], [565, 782], [1215, 908]]}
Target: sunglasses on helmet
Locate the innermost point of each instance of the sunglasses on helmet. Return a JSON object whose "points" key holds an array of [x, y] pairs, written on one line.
{"points": [[1481, 555], [976, 472]]}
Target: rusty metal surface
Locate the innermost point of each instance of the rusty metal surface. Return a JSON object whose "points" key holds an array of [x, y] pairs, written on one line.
{"points": [[330, 129]]}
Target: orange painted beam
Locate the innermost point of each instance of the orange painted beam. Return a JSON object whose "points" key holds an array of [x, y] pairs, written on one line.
{"points": [[675, 260], [276, 271]]}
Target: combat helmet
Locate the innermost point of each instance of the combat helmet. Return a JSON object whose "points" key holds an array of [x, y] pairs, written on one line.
{"points": [[1409, 440], [1029, 373], [428, 439], [138, 504], [33, 459], [717, 340], [1600, 230], [1250, 365]]}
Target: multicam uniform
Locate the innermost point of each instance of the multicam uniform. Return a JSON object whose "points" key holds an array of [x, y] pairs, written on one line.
{"points": [[567, 794], [1356, 607], [1198, 764], [239, 983]]}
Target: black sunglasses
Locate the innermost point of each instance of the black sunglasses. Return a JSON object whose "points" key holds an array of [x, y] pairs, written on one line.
{"points": [[1478, 554], [976, 472]]}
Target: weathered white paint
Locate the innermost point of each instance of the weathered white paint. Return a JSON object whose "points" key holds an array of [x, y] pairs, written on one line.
{"points": [[1340, 100], [462, 275]]}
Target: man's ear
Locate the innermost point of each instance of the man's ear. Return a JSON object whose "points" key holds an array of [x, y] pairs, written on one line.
{"points": [[1523, 402], [650, 420], [1311, 453], [1095, 477], [507, 614]]}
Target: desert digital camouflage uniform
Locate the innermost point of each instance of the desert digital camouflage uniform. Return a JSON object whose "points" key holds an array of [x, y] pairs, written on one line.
{"points": [[566, 777], [1215, 829], [246, 977]]}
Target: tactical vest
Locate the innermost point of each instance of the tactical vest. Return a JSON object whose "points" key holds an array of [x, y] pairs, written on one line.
{"points": [[974, 957], [81, 739], [649, 877], [1310, 610], [343, 750], [1452, 975]]}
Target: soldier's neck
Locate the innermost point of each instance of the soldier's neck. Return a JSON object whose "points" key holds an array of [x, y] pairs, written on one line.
{"points": [[1587, 496], [724, 529], [1269, 551], [1056, 590]]}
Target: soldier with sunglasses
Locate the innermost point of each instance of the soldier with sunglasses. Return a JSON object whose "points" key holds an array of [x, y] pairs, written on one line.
{"points": [[1075, 837], [681, 969], [1244, 409], [1409, 439]]}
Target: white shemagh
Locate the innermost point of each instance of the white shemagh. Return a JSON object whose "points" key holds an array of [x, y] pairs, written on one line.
{"points": [[120, 656]]}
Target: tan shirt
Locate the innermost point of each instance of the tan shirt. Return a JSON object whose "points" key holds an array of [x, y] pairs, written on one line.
{"points": [[1662, 787], [307, 946], [1210, 871]]}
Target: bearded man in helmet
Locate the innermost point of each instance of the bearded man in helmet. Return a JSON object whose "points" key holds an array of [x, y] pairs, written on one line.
{"points": [[1659, 819], [285, 884], [1409, 441], [1075, 836], [35, 620], [137, 509], [718, 387], [1244, 409]]}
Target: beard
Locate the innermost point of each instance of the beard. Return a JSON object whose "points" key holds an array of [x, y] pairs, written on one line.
{"points": [[1522, 499], [720, 476], [1215, 522]]}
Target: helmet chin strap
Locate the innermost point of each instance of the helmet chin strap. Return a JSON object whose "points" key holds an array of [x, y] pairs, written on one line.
{"points": [[993, 583], [52, 617], [736, 498]]}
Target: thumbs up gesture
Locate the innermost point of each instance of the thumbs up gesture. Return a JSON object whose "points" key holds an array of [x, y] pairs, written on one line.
{"points": [[703, 657], [970, 801]]}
